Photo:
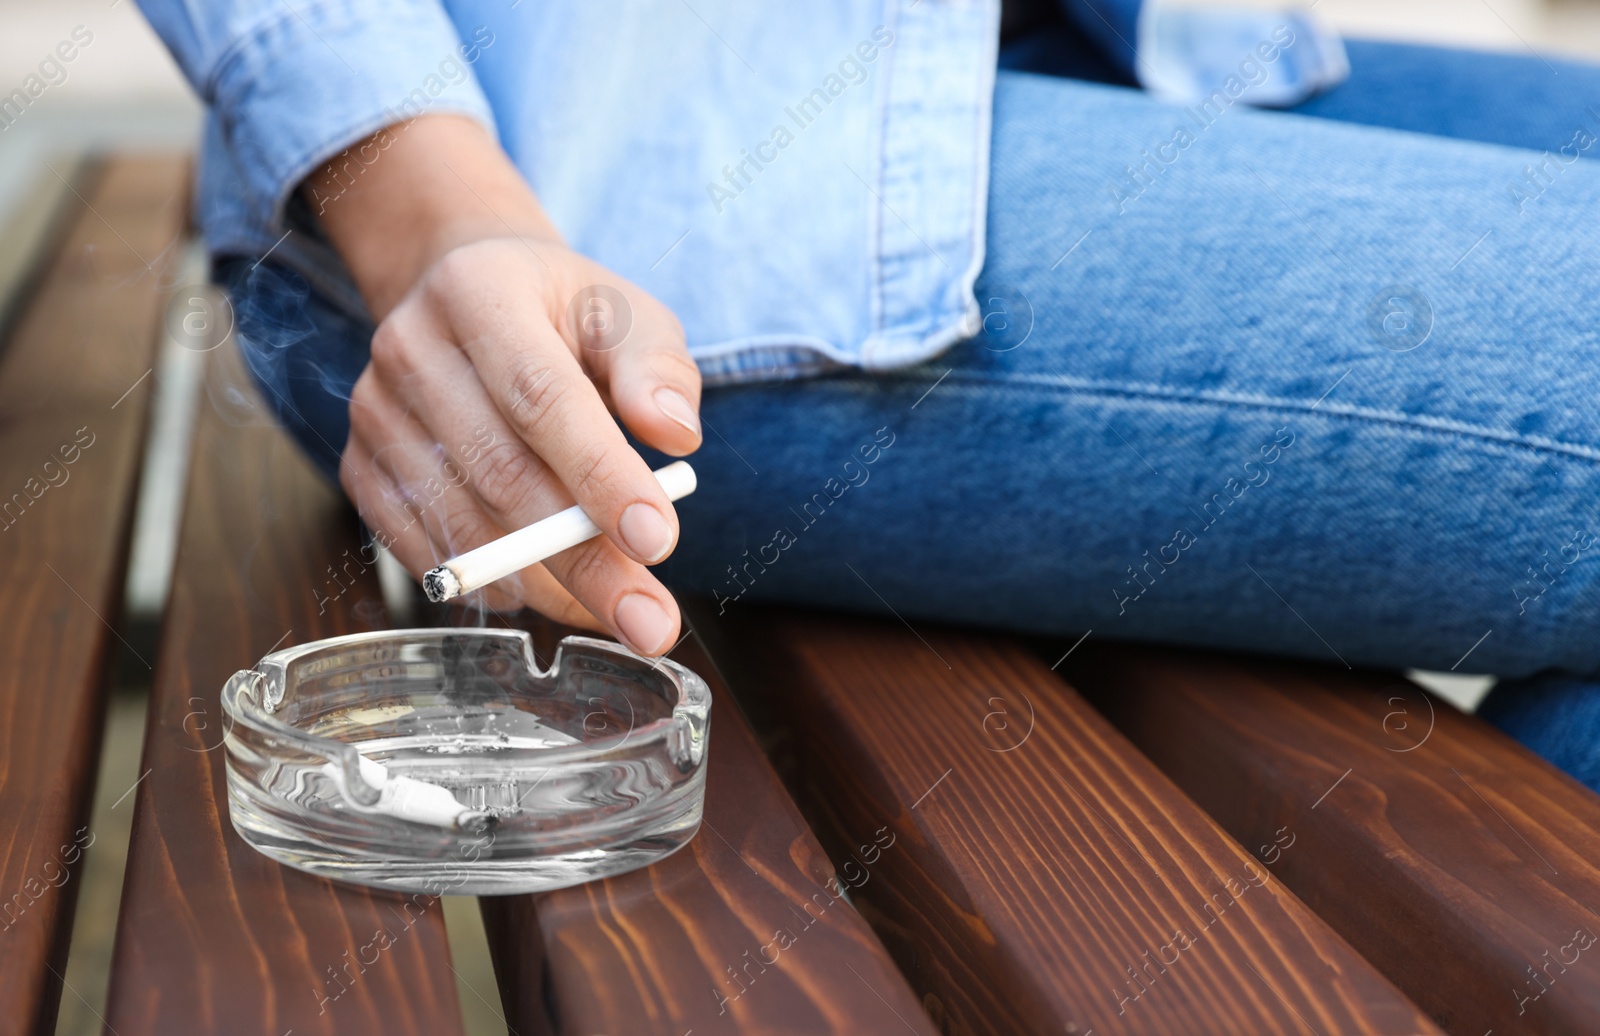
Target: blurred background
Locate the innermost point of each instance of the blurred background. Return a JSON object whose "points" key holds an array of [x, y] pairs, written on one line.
{"points": [[123, 92]]}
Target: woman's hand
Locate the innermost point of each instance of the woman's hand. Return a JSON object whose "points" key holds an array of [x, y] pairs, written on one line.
{"points": [[499, 359]]}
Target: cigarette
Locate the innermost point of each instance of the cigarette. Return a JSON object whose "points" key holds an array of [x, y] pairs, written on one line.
{"points": [[518, 550], [410, 799]]}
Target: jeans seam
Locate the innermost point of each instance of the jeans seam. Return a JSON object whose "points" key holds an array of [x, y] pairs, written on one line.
{"points": [[1443, 427]]}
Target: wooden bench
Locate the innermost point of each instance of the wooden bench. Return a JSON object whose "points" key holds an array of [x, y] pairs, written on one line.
{"points": [[1461, 865], [1045, 877], [213, 936], [746, 930], [74, 401], [924, 830]]}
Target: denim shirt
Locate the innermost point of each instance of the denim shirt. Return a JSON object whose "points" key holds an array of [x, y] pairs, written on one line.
{"points": [[802, 181]]}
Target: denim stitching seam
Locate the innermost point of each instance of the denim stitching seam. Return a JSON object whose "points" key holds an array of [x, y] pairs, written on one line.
{"points": [[1412, 422]]}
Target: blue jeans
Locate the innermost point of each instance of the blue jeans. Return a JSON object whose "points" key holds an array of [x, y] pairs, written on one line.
{"points": [[1282, 382]]}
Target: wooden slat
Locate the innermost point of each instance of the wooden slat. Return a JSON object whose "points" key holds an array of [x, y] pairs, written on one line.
{"points": [[739, 932], [214, 937], [1451, 857], [36, 223], [1042, 866], [71, 438]]}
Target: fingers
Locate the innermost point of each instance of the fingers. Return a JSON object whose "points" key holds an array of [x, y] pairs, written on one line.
{"points": [[385, 509], [498, 481], [517, 489], [545, 396], [479, 358], [398, 513], [637, 353], [410, 493]]}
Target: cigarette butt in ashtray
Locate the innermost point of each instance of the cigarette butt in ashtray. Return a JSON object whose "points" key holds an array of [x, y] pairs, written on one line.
{"points": [[412, 799], [527, 546]]}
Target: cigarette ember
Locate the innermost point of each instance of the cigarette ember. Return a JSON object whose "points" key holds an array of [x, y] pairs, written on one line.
{"points": [[518, 550], [440, 585]]}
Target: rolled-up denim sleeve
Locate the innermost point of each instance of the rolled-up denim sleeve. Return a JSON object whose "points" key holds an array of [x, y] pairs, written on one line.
{"points": [[293, 83]]}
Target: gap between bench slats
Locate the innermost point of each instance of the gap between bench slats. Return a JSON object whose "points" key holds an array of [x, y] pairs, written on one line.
{"points": [[1046, 877], [1463, 866], [213, 937], [745, 930], [73, 413]]}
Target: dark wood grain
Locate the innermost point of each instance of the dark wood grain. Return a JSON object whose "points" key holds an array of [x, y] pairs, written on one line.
{"points": [[214, 937], [742, 931], [1456, 861], [1042, 865], [81, 341]]}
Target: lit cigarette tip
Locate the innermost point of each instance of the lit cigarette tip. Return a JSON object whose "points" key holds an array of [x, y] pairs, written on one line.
{"points": [[440, 584], [531, 544]]}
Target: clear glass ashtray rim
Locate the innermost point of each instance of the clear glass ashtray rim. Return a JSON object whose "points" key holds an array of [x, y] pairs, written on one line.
{"points": [[273, 675]]}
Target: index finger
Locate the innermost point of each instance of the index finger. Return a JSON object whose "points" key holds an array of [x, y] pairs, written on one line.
{"points": [[541, 389]]}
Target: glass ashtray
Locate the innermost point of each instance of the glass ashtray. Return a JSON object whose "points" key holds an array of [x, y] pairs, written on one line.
{"points": [[447, 761]]}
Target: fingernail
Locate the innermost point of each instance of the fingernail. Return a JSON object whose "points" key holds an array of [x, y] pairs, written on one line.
{"points": [[645, 532], [671, 402], [644, 624]]}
